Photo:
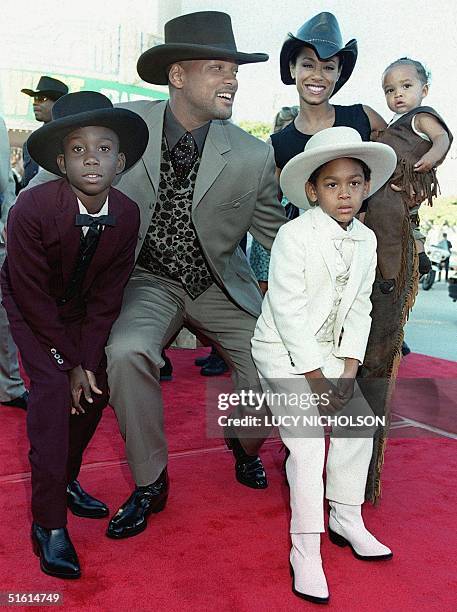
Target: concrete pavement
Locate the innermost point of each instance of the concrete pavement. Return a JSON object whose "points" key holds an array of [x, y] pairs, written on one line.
{"points": [[432, 325]]}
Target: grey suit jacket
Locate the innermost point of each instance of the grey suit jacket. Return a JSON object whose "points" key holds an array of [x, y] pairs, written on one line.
{"points": [[7, 185], [235, 192]]}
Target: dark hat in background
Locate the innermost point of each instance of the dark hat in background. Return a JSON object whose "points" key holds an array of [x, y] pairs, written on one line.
{"points": [[321, 33], [83, 109], [196, 36], [47, 86]]}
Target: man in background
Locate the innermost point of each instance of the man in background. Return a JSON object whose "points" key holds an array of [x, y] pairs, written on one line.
{"points": [[47, 92], [446, 244], [12, 390]]}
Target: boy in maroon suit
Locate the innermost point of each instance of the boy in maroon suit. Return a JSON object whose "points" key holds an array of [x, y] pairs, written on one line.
{"points": [[70, 251]]}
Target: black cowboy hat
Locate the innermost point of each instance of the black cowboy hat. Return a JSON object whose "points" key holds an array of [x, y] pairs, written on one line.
{"points": [[196, 36], [82, 109], [47, 86], [321, 33]]}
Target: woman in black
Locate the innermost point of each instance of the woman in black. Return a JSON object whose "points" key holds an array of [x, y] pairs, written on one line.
{"points": [[318, 63]]}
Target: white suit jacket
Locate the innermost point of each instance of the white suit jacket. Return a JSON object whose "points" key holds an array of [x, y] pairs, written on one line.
{"points": [[301, 293]]}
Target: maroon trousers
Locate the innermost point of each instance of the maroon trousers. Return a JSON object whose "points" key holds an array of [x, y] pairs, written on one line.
{"points": [[57, 438]]}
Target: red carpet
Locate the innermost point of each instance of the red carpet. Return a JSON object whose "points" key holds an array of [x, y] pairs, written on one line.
{"points": [[426, 392], [219, 545]]}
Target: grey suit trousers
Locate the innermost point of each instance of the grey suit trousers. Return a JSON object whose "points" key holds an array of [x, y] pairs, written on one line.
{"points": [[153, 311], [11, 383]]}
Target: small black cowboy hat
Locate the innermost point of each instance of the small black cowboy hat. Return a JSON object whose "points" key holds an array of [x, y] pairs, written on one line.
{"points": [[49, 87], [321, 33], [82, 109], [196, 36]]}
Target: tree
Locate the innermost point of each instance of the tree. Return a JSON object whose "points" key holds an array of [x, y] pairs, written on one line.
{"points": [[259, 129], [443, 213]]}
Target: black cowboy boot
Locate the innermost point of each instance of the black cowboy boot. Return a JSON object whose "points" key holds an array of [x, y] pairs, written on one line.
{"points": [[131, 517], [57, 554]]}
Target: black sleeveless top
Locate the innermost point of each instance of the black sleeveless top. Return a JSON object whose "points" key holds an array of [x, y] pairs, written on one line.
{"points": [[289, 142]]}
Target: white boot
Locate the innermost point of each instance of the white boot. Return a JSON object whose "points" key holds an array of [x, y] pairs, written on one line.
{"points": [[346, 527], [309, 580]]}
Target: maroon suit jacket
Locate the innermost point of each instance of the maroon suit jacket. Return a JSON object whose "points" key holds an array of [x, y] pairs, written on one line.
{"points": [[42, 250]]}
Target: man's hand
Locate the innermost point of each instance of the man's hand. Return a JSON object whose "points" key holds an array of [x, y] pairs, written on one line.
{"points": [[79, 383]]}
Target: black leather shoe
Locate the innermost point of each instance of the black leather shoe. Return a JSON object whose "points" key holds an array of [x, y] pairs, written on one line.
{"points": [[131, 517], [249, 469], [202, 361], [18, 402], [215, 366], [57, 554], [83, 504], [166, 371]]}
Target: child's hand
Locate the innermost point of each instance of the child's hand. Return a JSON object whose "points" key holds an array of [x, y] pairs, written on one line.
{"points": [[263, 286], [345, 384], [325, 390], [79, 383], [415, 199], [425, 164], [93, 382], [345, 388]]}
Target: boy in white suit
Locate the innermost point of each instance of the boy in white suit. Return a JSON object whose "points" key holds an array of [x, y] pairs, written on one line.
{"points": [[313, 328]]}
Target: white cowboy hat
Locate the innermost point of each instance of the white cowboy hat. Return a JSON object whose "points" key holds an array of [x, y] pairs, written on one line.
{"points": [[327, 145]]}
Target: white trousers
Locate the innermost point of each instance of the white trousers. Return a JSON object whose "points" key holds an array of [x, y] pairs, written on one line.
{"points": [[348, 458]]}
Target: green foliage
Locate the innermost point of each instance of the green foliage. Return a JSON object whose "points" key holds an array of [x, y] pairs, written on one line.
{"points": [[258, 129], [442, 213]]}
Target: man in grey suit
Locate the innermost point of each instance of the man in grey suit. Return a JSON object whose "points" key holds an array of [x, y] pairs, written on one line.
{"points": [[201, 184], [12, 390]]}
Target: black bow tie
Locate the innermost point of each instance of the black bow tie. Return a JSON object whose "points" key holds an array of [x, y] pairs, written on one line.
{"points": [[90, 221]]}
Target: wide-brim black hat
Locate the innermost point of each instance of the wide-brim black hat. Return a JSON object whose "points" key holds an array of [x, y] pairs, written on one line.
{"points": [[321, 33], [196, 36], [47, 86], [83, 109]]}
